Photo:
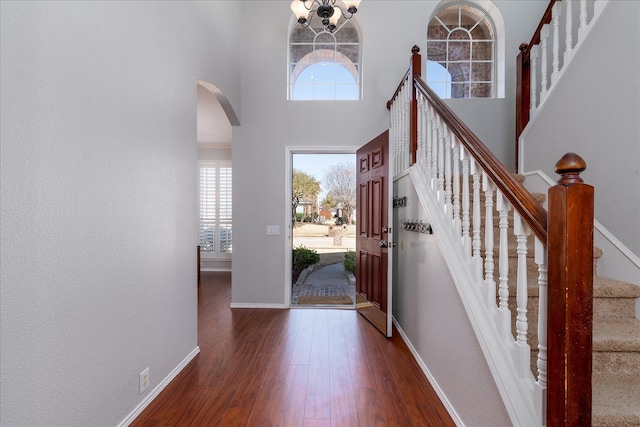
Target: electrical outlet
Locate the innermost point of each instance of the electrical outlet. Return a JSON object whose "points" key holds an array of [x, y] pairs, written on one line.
{"points": [[144, 380]]}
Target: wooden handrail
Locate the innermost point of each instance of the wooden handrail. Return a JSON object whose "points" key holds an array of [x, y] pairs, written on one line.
{"points": [[523, 78], [567, 233], [546, 18], [521, 200]]}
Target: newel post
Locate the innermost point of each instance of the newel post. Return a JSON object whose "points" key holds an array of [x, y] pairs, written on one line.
{"points": [[570, 307], [414, 70], [523, 94]]}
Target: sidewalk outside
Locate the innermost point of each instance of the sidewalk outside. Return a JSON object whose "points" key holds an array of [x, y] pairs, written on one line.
{"points": [[329, 279]]}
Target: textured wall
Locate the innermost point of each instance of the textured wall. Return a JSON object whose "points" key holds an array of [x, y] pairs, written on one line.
{"points": [[98, 212]]}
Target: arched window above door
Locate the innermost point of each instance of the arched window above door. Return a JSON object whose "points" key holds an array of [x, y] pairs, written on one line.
{"points": [[324, 65]]}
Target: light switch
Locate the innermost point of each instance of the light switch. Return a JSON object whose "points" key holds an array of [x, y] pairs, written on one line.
{"points": [[273, 230]]}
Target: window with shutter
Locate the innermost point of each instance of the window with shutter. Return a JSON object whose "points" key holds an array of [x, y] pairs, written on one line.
{"points": [[215, 209]]}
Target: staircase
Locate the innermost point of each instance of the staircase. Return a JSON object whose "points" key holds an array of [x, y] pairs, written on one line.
{"points": [[616, 338], [508, 256]]}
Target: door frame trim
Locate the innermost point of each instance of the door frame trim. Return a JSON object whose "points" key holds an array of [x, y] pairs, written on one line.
{"points": [[289, 151]]}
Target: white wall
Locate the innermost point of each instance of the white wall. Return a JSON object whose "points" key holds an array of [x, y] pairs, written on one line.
{"points": [[214, 154], [429, 310], [98, 214], [270, 122], [493, 120], [593, 111]]}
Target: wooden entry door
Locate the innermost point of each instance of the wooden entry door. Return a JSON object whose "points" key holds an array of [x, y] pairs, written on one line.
{"points": [[373, 237]]}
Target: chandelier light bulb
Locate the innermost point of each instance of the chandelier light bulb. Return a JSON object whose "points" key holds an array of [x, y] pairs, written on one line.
{"points": [[352, 5], [300, 10], [329, 11]]}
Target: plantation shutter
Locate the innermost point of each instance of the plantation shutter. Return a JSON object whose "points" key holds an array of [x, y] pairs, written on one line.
{"points": [[215, 209], [225, 209]]}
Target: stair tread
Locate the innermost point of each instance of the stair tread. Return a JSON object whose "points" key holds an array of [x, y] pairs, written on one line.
{"points": [[616, 400], [604, 287], [616, 335]]}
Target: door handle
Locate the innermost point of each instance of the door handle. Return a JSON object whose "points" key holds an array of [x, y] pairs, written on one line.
{"points": [[386, 244]]}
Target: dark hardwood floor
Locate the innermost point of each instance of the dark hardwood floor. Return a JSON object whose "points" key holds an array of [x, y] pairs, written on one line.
{"points": [[298, 367]]}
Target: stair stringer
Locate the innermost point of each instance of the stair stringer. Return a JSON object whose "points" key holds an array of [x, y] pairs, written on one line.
{"points": [[523, 397]]}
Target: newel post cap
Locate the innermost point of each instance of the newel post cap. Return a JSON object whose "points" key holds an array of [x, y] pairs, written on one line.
{"points": [[569, 167]]}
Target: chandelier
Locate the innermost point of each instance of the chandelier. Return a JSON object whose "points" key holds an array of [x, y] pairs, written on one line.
{"points": [[327, 10]]}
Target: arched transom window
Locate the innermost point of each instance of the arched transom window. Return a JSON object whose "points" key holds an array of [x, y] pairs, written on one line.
{"points": [[324, 65], [460, 53]]}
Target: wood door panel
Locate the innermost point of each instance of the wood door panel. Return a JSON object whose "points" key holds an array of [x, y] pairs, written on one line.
{"points": [[363, 219], [377, 205], [377, 158], [362, 273], [372, 263], [364, 164], [375, 279]]}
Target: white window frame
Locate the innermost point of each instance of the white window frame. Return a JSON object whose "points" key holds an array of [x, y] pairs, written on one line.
{"points": [[497, 22], [218, 214], [320, 55]]}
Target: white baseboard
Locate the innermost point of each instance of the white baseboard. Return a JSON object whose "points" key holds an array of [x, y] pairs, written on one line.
{"points": [[252, 305], [216, 269], [156, 391], [443, 398]]}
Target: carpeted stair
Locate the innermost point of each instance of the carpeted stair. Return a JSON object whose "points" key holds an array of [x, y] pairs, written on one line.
{"points": [[616, 336]]}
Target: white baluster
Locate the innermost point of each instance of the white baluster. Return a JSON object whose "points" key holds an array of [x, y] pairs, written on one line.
{"points": [[521, 231], [477, 243], [440, 162], [395, 113], [420, 148], [447, 176], [424, 114], [544, 37], [435, 149], [503, 263], [583, 20], [541, 260], [400, 135], [489, 188], [533, 59], [396, 131], [429, 141], [568, 41], [407, 125], [555, 17], [457, 223], [402, 114], [466, 223], [392, 130]]}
